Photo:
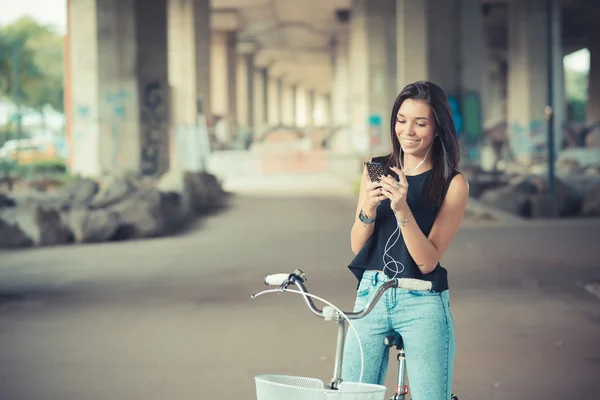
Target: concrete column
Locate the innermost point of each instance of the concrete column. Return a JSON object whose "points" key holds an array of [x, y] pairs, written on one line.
{"points": [[274, 101], [428, 38], [372, 73], [528, 79], [443, 41], [494, 93], [105, 108], [245, 91], [152, 66], [301, 107], [473, 60], [189, 72], [593, 45], [287, 103], [321, 113], [310, 107], [294, 104], [224, 76], [341, 81], [260, 98]]}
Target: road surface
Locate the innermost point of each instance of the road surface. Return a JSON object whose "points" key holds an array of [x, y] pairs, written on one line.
{"points": [[172, 318]]}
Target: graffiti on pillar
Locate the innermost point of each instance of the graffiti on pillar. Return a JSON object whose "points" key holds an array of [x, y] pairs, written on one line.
{"points": [[527, 139], [456, 114], [154, 124], [118, 112], [375, 124], [471, 118], [82, 139], [83, 112]]}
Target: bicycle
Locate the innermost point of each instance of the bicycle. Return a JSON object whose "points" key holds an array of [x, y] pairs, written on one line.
{"points": [[276, 387]]}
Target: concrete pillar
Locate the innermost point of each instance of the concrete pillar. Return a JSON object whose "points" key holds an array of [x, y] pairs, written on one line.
{"points": [[274, 101], [245, 91], [473, 60], [189, 74], [528, 78], [260, 104], [494, 93], [224, 76], [321, 113], [301, 107], [294, 104], [105, 108], [152, 66], [372, 73], [593, 45], [428, 38], [341, 81], [310, 107], [287, 103], [443, 41]]}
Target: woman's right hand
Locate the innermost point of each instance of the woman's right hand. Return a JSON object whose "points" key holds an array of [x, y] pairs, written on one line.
{"points": [[373, 198]]}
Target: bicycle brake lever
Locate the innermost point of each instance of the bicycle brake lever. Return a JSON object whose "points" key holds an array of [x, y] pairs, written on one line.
{"points": [[268, 291]]}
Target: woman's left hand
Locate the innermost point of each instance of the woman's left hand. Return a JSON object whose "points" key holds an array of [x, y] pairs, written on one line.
{"points": [[395, 190]]}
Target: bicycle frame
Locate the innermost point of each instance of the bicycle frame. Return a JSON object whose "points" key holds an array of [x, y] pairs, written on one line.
{"points": [[298, 278]]}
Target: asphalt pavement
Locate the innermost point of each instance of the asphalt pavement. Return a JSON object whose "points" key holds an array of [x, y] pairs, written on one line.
{"points": [[172, 318]]}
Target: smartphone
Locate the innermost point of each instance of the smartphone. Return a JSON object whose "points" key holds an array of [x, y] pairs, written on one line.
{"points": [[375, 170]]}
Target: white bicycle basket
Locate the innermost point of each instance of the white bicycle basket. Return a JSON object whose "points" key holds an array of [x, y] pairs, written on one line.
{"points": [[282, 387]]}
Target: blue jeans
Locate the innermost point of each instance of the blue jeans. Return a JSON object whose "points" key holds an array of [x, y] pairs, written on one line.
{"points": [[425, 323]]}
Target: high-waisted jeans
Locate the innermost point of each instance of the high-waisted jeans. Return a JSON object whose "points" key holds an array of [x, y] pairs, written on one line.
{"points": [[425, 323]]}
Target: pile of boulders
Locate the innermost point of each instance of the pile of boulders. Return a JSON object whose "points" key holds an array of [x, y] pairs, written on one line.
{"points": [[525, 192], [115, 207]]}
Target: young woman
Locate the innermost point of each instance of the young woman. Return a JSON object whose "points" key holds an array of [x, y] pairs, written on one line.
{"points": [[403, 226]]}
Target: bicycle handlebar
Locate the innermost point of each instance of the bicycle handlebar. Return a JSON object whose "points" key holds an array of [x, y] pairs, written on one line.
{"points": [[298, 278]]}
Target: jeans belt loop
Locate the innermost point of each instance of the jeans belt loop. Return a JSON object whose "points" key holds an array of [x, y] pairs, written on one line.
{"points": [[375, 279]]}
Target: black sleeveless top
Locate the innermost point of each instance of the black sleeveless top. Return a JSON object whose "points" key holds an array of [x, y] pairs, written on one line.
{"points": [[371, 256]]}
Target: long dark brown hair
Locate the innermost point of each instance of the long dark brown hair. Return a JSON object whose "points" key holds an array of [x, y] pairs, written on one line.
{"points": [[444, 153]]}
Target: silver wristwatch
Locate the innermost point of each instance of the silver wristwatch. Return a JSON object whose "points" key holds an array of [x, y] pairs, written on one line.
{"points": [[364, 218]]}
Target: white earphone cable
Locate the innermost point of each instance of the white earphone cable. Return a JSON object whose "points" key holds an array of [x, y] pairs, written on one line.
{"points": [[350, 326]]}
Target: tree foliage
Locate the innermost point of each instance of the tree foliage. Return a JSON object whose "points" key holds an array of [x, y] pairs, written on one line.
{"points": [[38, 51]]}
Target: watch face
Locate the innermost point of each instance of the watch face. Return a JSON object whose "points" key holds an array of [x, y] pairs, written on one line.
{"points": [[363, 218]]}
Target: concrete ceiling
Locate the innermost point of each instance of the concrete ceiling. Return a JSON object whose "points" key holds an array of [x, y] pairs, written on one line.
{"points": [[293, 37]]}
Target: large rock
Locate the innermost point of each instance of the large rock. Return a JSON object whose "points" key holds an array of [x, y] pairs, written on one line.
{"points": [[529, 196], [481, 181], [594, 170], [90, 226], [174, 182], [591, 202], [11, 236], [47, 201], [6, 201], [205, 191], [507, 199], [43, 226], [544, 205], [566, 200], [114, 189], [147, 213], [581, 156], [79, 192]]}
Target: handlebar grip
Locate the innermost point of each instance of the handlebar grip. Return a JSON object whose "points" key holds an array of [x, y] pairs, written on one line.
{"points": [[414, 284], [276, 279]]}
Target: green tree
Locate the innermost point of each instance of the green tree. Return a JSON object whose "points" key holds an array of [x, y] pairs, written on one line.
{"points": [[39, 50], [576, 84]]}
